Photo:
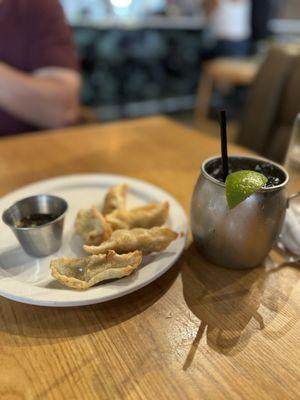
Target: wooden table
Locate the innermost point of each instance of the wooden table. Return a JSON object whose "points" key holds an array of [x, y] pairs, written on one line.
{"points": [[198, 332]]}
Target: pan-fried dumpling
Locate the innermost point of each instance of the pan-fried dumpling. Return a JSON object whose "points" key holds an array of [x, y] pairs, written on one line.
{"points": [[91, 226], [82, 273], [140, 217], [145, 240], [115, 199]]}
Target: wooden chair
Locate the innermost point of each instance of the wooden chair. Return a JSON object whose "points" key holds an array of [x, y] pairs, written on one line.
{"points": [[272, 105], [220, 73], [277, 142]]}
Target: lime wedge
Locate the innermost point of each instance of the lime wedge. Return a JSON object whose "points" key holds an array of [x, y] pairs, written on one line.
{"points": [[242, 184]]}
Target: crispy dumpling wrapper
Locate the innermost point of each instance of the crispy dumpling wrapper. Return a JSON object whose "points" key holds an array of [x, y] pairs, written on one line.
{"points": [[82, 273], [140, 217], [91, 226], [115, 199], [146, 240]]}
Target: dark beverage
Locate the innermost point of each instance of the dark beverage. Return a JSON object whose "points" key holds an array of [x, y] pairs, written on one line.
{"points": [[271, 171]]}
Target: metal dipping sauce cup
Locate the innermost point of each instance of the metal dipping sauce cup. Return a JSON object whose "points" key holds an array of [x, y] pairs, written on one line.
{"points": [[243, 236], [43, 240]]}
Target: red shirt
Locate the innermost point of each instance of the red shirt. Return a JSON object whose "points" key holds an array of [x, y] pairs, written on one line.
{"points": [[33, 35]]}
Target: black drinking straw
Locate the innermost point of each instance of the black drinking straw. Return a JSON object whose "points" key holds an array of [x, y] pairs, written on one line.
{"points": [[223, 132]]}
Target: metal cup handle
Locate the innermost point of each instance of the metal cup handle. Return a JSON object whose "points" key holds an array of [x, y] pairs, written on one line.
{"points": [[292, 197]]}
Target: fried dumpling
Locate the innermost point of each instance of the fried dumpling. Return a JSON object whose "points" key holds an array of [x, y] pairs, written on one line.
{"points": [[82, 273], [146, 240], [140, 217], [91, 226], [115, 199]]}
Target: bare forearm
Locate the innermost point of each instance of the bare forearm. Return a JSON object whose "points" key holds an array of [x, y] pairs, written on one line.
{"points": [[41, 101]]}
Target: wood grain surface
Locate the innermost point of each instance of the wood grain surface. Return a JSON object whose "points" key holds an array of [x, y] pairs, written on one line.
{"points": [[198, 332]]}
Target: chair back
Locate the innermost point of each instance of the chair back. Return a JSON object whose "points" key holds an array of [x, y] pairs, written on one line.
{"points": [[289, 108], [262, 108]]}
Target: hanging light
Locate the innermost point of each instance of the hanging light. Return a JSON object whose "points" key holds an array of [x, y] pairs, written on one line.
{"points": [[121, 3]]}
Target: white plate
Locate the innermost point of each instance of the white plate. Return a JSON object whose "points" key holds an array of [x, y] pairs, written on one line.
{"points": [[28, 280]]}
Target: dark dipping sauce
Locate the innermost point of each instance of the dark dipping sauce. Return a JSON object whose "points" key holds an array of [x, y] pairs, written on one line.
{"points": [[35, 220], [274, 174]]}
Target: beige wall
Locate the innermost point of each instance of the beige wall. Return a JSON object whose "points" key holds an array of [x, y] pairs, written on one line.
{"points": [[290, 9]]}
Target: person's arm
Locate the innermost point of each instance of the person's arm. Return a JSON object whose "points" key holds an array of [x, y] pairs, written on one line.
{"points": [[48, 98]]}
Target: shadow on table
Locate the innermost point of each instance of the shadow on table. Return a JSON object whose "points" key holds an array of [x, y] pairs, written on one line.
{"points": [[225, 301], [58, 323]]}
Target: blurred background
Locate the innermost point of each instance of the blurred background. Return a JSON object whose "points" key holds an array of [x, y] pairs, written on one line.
{"points": [[145, 57]]}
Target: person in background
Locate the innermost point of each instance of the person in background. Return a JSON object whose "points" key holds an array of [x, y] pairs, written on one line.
{"points": [[261, 15], [39, 74], [228, 27]]}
